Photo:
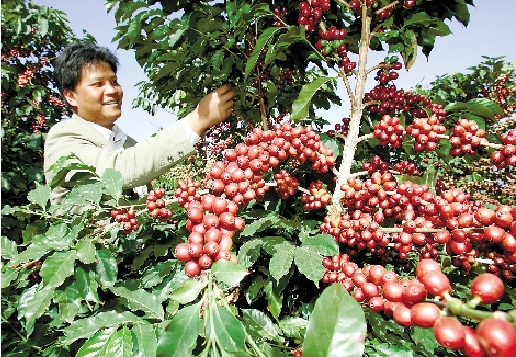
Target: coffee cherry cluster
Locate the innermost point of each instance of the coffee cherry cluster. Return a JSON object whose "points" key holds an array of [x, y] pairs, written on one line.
{"points": [[466, 137], [332, 44], [187, 190], [127, 218], [280, 16], [386, 99], [389, 131], [405, 301], [212, 223], [286, 184], [156, 204], [310, 13], [406, 168], [506, 156], [376, 164], [426, 132], [318, 198], [240, 175], [388, 73]]}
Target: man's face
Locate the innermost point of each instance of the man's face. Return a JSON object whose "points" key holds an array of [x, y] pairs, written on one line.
{"points": [[98, 95]]}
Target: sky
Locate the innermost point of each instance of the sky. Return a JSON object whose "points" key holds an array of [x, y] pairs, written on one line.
{"points": [[488, 34]]}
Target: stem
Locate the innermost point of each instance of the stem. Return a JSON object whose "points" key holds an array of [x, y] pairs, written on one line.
{"points": [[351, 142], [14, 329], [392, 4], [254, 346]]}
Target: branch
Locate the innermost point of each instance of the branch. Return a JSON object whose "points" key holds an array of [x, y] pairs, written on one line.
{"points": [[382, 9], [365, 137]]}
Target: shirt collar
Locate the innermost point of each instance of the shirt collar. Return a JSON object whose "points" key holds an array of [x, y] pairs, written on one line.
{"points": [[114, 135]]}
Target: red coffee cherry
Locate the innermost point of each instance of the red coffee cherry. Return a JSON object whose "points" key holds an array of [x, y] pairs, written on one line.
{"points": [[425, 314], [192, 269], [488, 287], [449, 332], [497, 337]]}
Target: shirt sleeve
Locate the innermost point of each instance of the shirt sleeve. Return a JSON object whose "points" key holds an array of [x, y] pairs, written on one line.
{"points": [[192, 135]]}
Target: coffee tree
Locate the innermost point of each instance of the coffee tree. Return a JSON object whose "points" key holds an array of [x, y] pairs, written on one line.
{"points": [[277, 239], [31, 36]]}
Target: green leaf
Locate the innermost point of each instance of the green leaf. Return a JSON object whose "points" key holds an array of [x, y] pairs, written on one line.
{"points": [[96, 345], [259, 225], [57, 267], [40, 195], [281, 261], [84, 328], [424, 338], [308, 262], [249, 252], [188, 292], [419, 18], [340, 333], [228, 273], [226, 329], [300, 106], [141, 300], [33, 252], [323, 244], [86, 251], [84, 195], [264, 38], [33, 303], [260, 324], [145, 340], [106, 268], [274, 299], [9, 248], [293, 327], [112, 182], [180, 336]]}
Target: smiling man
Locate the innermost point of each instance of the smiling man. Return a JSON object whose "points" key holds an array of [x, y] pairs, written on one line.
{"points": [[86, 76]]}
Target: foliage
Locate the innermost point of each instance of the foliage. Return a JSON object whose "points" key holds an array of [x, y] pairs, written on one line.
{"points": [[31, 104], [99, 275]]}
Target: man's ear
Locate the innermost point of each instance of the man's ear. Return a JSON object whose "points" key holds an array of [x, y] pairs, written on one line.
{"points": [[70, 97]]}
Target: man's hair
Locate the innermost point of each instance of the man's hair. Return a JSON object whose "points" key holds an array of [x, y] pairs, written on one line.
{"points": [[70, 62]]}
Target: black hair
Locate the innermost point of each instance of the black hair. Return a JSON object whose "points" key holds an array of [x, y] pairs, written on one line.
{"points": [[70, 62]]}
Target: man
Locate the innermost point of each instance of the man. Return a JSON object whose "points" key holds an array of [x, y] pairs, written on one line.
{"points": [[86, 76]]}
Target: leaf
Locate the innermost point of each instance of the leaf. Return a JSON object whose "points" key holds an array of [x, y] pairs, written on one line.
{"points": [[95, 346], [86, 251], [274, 299], [281, 261], [228, 273], [112, 182], [300, 106], [259, 225], [84, 195], [226, 329], [308, 262], [264, 38], [57, 267], [259, 323], [419, 18], [180, 336], [40, 195], [33, 252], [249, 252], [9, 248], [141, 300], [34, 303], [146, 343], [323, 244], [84, 328], [188, 292], [106, 268], [340, 333], [424, 338], [293, 327]]}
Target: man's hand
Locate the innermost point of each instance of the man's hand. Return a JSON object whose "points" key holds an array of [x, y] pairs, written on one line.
{"points": [[212, 109]]}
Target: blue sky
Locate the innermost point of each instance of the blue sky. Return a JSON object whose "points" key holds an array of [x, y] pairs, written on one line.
{"points": [[490, 33]]}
